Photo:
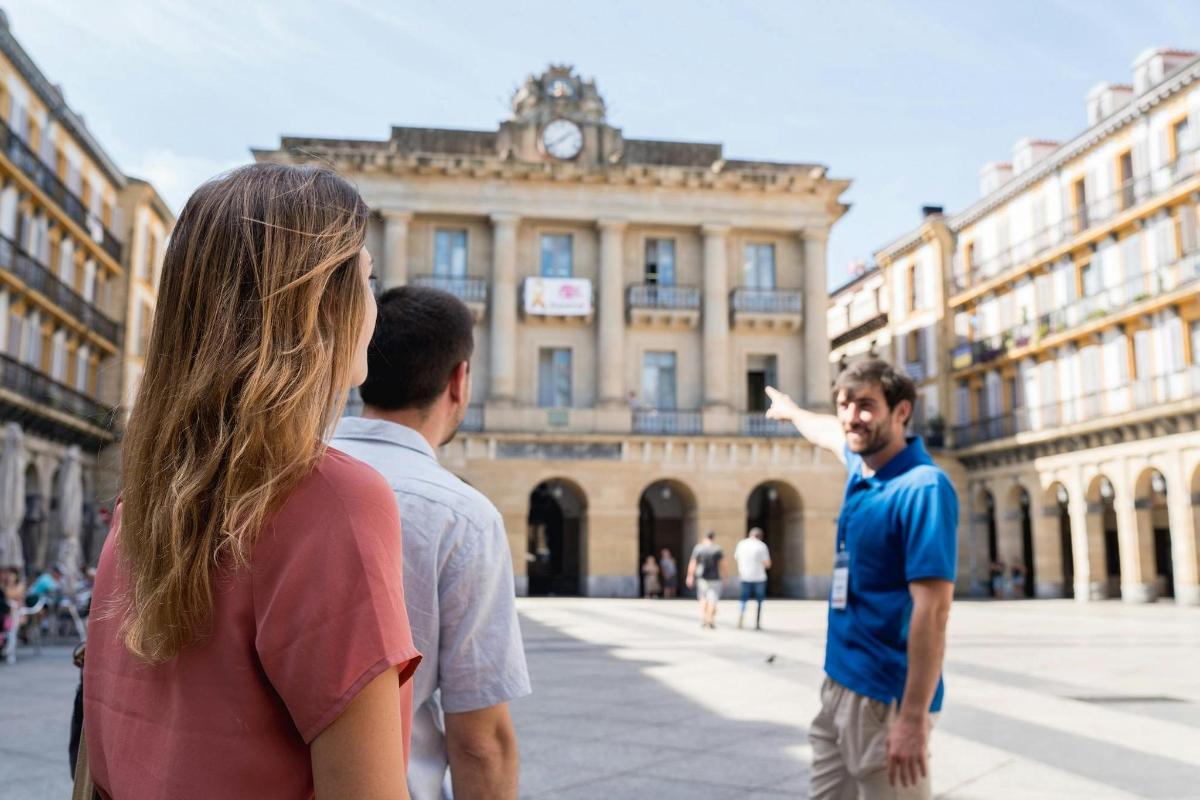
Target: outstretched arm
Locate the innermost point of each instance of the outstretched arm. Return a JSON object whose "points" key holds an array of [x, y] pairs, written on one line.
{"points": [[823, 430]]}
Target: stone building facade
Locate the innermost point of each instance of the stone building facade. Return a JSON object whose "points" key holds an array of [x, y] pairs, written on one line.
{"points": [[66, 294], [633, 297], [1064, 311]]}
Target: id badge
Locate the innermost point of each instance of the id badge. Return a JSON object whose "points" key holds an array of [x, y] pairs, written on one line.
{"points": [[841, 581]]}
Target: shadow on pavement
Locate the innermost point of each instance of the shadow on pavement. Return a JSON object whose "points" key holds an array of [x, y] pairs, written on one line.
{"points": [[600, 726]]}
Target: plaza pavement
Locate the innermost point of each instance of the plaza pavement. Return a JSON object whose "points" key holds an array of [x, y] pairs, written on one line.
{"points": [[1045, 699]]}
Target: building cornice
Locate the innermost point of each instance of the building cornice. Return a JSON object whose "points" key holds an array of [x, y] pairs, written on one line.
{"points": [[1137, 107], [57, 105], [359, 156]]}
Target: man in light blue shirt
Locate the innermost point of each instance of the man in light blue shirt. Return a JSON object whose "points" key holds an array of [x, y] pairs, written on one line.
{"points": [[458, 581]]}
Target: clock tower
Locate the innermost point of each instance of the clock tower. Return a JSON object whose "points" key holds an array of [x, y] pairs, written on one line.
{"points": [[558, 117]]}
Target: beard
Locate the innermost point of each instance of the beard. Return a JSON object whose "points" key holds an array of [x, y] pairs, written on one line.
{"points": [[871, 439]]}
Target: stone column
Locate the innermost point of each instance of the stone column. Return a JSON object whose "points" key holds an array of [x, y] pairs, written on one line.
{"points": [[1047, 550], [395, 248], [1087, 545], [716, 316], [502, 338], [1183, 537], [1135, 588], [816, 335], [610, 329]]}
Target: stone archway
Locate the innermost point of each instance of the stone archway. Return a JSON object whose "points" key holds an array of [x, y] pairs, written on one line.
{"points": [[1104, 544], [776, 507], [33, 528], [557, 538], [667, 520], [1155, 561], [1054, 540], [1015, 543]]}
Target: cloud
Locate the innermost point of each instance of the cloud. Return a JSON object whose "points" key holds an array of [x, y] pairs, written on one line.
{"points": [[176, 175]]}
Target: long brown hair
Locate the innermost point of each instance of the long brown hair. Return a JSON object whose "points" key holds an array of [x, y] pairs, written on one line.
{"points": [[251, 355]]}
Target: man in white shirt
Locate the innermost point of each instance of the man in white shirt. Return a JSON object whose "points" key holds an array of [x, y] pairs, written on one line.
{"points": [[458, 583], [753, 560]]}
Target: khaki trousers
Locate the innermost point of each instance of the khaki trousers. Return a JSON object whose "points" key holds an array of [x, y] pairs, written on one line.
{"points": [[849, 748]]}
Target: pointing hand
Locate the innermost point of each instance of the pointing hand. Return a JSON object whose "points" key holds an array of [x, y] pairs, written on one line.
{"points": [[782, 406]]}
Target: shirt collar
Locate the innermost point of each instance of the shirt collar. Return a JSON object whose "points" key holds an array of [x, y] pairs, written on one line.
{"points": [[912, 455], [381, 430]]}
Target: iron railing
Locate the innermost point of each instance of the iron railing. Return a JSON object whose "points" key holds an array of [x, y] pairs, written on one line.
{"points": [[38, 278], [18, 152], [1113, 300], [671, 298], [766, 301], [1129, 194], [755, 424], [48, 393], [1136, 395], [469, 290], [666, 422]]}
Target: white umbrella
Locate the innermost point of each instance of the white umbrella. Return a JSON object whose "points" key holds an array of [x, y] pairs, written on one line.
{"points": [[12, 496], [70, 514]]}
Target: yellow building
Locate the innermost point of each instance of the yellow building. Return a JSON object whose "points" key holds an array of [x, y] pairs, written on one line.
{"points": [[633, 297], [65, 297], [1067, 337]]}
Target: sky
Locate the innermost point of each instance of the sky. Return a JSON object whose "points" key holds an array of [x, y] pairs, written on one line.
{"points": [[906, 99]]}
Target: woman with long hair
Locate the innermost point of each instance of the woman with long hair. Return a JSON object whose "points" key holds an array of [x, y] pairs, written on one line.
{"points": [[248, 636]]}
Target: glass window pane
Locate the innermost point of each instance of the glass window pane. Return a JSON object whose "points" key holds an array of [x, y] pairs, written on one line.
{"points": [[759, 266], [554, 378], [658, 380], [556, 255], [450, 253]]}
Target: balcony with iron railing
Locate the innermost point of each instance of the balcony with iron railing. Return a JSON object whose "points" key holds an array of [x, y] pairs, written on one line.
{"points": [[1095, 406], [1104, 304], [38, 278], [1078, 224], [656, 304], [766, 308], [756, 424], [47, 393], [668, 422], [23, 157], [472, 291]]}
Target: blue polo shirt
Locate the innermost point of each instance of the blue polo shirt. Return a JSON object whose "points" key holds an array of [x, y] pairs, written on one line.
{"points": [[898, 525]]}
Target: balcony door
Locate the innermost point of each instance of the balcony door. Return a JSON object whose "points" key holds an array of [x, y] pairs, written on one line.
{"points": [[758, 269], [760, 373], [658, 381]]}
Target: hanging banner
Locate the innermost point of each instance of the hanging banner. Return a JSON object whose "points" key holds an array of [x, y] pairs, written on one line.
{"points": [[558, 297]]}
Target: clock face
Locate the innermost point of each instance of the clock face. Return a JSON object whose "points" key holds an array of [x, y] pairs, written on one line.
{"points": [[562, 139]]}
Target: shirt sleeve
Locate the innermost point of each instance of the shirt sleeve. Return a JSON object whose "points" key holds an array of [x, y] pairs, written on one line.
{"points": [[930, 529], [329, 602], [481, 658]]}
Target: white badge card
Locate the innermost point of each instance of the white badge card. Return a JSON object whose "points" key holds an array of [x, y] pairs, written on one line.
{"points": [[841, 581]]}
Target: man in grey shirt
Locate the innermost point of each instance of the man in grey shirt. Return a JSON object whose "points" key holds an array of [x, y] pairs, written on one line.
{"points": [[458, 582]]}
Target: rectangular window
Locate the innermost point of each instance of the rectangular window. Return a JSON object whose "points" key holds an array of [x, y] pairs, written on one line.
{"points": [[1089, 280], [660, 262], [450, 253], [1179, 142], [81, 369], [554, 378], [1079, 190], [761, 372], [144, 269], [658, 380], [1125, 177], [556, 255], [1194, 333], [758, 271]]}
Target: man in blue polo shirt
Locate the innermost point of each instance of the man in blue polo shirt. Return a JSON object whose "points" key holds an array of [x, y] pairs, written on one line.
{"points": [[893, 583]]}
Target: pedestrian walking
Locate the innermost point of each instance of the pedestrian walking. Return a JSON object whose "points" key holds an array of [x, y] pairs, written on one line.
{"points": [[651, 586], [706, 572], [892, 587], [753, 560], [670, 573], [253, 641], [458, 581]]}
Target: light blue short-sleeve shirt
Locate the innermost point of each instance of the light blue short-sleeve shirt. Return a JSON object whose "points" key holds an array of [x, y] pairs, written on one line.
{"points": [[458, 586]]}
